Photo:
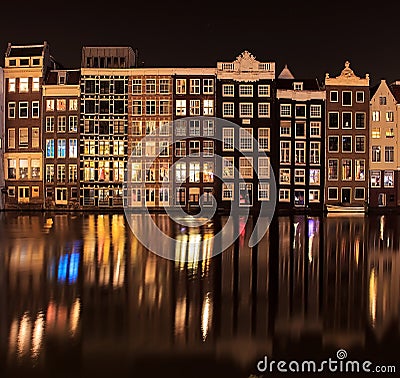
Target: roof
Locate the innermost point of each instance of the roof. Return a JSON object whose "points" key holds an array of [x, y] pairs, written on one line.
{"points": [[25, 50], [285, 73], [395, 89], [71, 77], [308, 84]]}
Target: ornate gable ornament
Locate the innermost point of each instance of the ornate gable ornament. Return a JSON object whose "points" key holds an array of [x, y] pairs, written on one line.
{"points": [[347, 77], [246, 68]]}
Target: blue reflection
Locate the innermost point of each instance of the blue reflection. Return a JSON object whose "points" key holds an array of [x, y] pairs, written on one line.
{"points": [[68, 264]]}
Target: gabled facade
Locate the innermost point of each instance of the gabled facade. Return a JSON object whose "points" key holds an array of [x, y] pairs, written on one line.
{"points": [[61, 94], [300, 121], [245, 96], [347, 147], [25, 69], [3, 190], [383, 147]]}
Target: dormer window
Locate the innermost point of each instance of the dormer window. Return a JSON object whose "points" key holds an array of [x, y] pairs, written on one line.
{"points": [[24, 62], [61, 78], [298, 86], [35, 62]]}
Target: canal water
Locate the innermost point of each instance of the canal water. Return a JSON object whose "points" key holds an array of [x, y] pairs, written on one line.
{"points": [[81, 297]]}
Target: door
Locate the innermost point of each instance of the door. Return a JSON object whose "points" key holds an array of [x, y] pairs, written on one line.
{"points": [[346, 195]]}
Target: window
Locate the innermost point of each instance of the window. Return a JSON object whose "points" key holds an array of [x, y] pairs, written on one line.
{"points": [[333, 143], [35, 109], [73, 104], [180, 198], [227, 139], [284, 176], [389, 116], [376, 154], [346, 143], [389, 154], [376, 115], [285, 110], [61, 124], [180, 128], [35, 137], [300, 110], [300, 152], [245, 90], [333, 193], [334, 96], [300, 129], [136, 128], [11, 109], [263, 109], [227, 191], [181, 86], [346, 120], [245, 194], [333, 170], [194, 172], [376, 133], [314, 176], [388, 179], [359, 96], [208, 148], [23, 194], [180, 172], [164, 128], [263, 90], [194, 147], [298, 86], [88, 172], [23, 168], [23, 109], [228, 167], [61, 175], [208, 86], [164, 196], [263, 139], [346, 169], [89, 147], [299, 197], [136, 86], [50, 148], [360, 143], [35, 169], [151, 106], [194, 86], [23, 84], [263, 167], [180, 108], [346, 98], [11, 138], [136, 172], [359, 168], [299, 176], [73, 148], [61, 104], [246, 139], [333, 120], [263, 191], [137, 107], [382, 100], [23, 137], [11, 85], [228, 109], [150, 86], [375, 177], [73, 124], [49, 173], [61, 148], [164, 107], [315, 111], [315, 151], [389, 133], [228, 90], [360, 120], [208, 107], [359, 193], [285, 128], [208, 171], [285, 152], [12, 169], [150, 172], [208, 127], [313, 195], [119, 147], [246, 167], [180, 148], [164, 86], [194, 107], [284, 195], [245, 110], [194, 127]]}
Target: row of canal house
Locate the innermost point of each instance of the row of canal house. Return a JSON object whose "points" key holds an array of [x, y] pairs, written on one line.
{"points": [[111, 133]]}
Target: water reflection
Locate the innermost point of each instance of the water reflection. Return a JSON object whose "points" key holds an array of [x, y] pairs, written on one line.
{"points": [[83, 296]]}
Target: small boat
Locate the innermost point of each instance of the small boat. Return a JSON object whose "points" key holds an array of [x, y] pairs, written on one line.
{"points": [[346, 209]]}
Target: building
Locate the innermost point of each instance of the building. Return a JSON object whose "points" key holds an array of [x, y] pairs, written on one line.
{"points": [[104, 125], [61, 138], [194, 137], [300, 115], [383, 159], [245, 93], [347, 152], [2, 183], [25, 68]]}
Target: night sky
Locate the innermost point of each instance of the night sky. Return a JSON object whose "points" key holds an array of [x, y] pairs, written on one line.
{"points": [[311, 37]]}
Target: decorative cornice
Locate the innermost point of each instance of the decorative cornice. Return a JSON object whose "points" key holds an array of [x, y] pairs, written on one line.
{"points": [[347, 77]]}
